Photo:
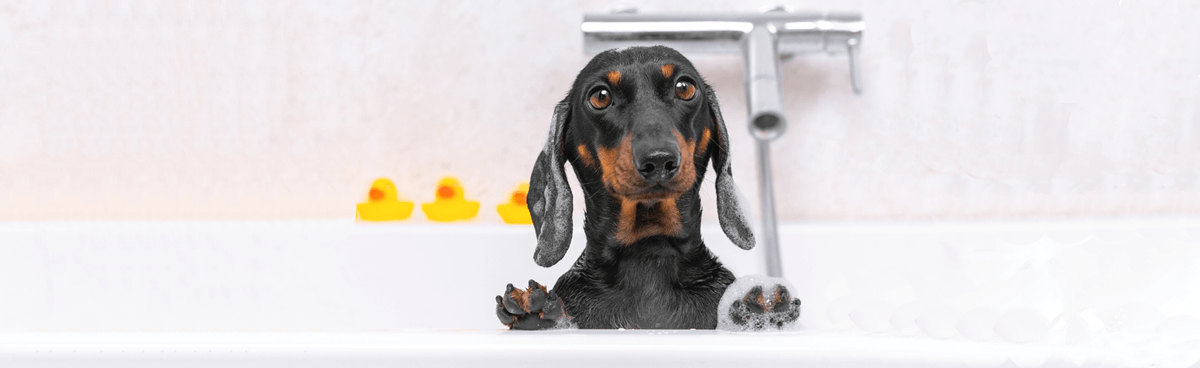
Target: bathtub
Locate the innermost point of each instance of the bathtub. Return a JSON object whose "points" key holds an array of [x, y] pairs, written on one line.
{"points": [[334, 293]]}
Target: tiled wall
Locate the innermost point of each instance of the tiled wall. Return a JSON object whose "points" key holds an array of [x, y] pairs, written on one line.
{"points": [[285, 109]]}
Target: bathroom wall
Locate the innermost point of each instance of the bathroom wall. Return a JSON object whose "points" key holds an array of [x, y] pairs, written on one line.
{"points": [[289, 109]]}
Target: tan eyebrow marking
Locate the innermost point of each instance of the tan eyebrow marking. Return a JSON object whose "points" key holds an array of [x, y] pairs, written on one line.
{"points": [[614, 77], [668, 70]]}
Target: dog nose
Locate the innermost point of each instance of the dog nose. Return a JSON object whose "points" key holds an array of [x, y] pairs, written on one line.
{"points": [[658, 165]]}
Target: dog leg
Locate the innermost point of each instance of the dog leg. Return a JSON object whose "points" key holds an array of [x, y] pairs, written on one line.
{"points": [[534, 308], [757, 311]]}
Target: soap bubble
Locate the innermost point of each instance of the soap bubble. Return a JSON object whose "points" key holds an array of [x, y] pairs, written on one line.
{"points": [[1078, 330], [839, 310], [905, 317], [739, 289], [1097, 319], [565, 324], [872, 315], [1183, 358], [1136, 321], [978, 324], [1179, 329], [1022, 325], [938, 321]]}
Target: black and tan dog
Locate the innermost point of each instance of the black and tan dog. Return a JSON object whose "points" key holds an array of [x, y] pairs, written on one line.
{"points": [[639, 127]]}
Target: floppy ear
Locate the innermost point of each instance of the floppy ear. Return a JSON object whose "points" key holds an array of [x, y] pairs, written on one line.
{"points": [[731, 205], [549, 196]]}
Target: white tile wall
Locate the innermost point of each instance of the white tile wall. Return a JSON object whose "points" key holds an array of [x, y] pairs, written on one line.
{"points": [[289, 109]]}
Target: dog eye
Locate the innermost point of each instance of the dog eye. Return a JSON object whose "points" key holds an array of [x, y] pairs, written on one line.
{"points": [[685, 90], [601, 99]]}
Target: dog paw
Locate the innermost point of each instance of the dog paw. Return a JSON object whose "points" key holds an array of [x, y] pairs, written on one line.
{"points": [[534, 308], [759, 311], [757, 303]]}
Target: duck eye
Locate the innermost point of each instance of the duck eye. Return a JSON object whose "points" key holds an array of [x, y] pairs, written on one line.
{"points": [[685, 90], [600, 99]]}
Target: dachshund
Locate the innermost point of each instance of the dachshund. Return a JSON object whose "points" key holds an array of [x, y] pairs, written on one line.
{"points": [[639, 127]]}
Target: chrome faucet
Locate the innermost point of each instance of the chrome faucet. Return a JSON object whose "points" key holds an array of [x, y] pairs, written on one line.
{"points": [[763, 40]]}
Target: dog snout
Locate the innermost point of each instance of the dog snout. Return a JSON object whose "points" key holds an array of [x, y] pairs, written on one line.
{"points": [[658, 164]]}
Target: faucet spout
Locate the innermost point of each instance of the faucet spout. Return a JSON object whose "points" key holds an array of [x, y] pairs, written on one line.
{"points": [[764, 93], [764, 100]]}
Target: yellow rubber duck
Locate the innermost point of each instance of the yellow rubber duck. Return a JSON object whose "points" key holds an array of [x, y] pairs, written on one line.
{"points": [[449, 204], [515, 211], [382, 204]]}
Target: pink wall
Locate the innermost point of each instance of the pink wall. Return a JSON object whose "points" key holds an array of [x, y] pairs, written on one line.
{"points": [[282, 109]]}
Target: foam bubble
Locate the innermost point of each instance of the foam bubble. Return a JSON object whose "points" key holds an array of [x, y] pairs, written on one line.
{"points": [[839, 310], [905, 317], [565, 323], [1179, 329], [872, 315], [1078, 330], [938, 321], [978, 324], [1022, 325], [738, 290], [1137, 321]]}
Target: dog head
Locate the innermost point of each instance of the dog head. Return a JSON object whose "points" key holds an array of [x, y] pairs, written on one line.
{"points": [[639, 127]]}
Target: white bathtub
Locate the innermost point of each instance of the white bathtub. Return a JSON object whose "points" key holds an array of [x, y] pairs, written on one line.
{"points": [[1071, 293]]}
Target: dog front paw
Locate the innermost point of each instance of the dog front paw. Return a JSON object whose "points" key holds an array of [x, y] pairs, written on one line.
{"points": [[534, 308], [758, 311], [757, 303]]}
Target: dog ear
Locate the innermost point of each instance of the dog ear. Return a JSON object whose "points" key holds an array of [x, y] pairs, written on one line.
{"points": [[731, 205], [549, 196]]}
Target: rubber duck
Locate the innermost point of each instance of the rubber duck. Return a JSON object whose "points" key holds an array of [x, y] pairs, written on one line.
{"points": [[382, 204], [448, 204], [515, 211]]}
